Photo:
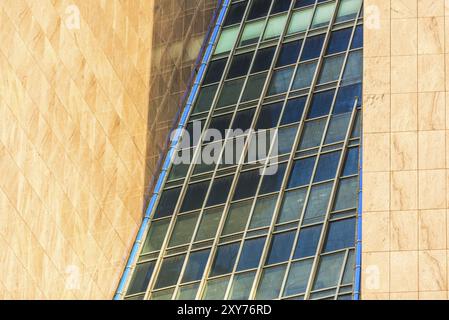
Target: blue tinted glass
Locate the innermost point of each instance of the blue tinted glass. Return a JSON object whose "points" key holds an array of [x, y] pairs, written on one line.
{"points": [[141, 278], [280, 6], [341, 235], [269, 116], [327, 166], [195, 267], [225, 259], [243, 120], [293, 110], [286, 138], [352, 162], [259, 9], [280, 81], [353, 71], [220, 190], [289, 53], [307, 242], [346, 98], [357, 41], [263, 59], [304, 75], [301, 173], [167, 203], [194, 197], [339, 41], [303, 3], [273, 182], [280, 248], [247, 184], [312, 47], [170, 270], [215, 71], [251, 253], [240, 65], [321, 104], [235, 14], [313, 133]]}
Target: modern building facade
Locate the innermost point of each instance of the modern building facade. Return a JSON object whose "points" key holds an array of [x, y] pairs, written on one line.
{"points": [[279, 224]]}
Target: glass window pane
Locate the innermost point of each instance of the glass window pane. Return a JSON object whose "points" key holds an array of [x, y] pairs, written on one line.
{"points": [[155, 236], [280, 247], [194, 197], [170, 270], [269, 116], [259, 9], [312, 47], [289, 53], [300, 21], [235, 14], [254, 87], [240, 65], [292, 205], [263, 212], [331, 69], [205, 99], [357, 40], [227, 40], [280, 81], [304, 75], [216, 289], [353, 71], [313, 133], [220, 190], [301, 172], [195, 266], [294, 110], [329, 271], [323, 15], [188, 292], [298, 277], [141, 277], [252, 32], [242, 285], [230, 93], [183, 231], [280, 6], [308, 242], [167, 203], [263, 59], [352, 162], [225, 259], [347, 194], [243, 120], [270, 283], [327, 166], [275, 26], [318, 203], [346, 98], [286, 138], [348, 276], [341, 235], [251, 253], [162, 295], [339, 41], [348, 10], [215, 71], [209, 224], [237, 217], [247, 184], [321, 104], [273, 182], [338, 128]]}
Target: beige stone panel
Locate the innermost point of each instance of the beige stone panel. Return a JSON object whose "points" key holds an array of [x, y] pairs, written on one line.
{"points": [[404, 112], [381, 8], [376, 75], [376, 231], [379, 195], [432, 229], [433, 295], [433, 270], [404, 151], [404, 74], [430, 8], [376, 113], [431, 35], [404, 190], [404, 296], [432, 189], [404, 230], [432, 149], [431, 70], [403, 42], [375, 272], [401, 9], [380, 44], [432, 111], [404, 271], [376, 156], [375, 296]]}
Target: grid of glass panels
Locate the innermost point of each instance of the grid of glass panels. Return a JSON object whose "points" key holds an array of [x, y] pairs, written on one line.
{"points": [[226, 231]]}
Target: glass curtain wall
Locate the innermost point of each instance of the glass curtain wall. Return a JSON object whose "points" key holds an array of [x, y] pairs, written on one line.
{"points": [[238, 229]]}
